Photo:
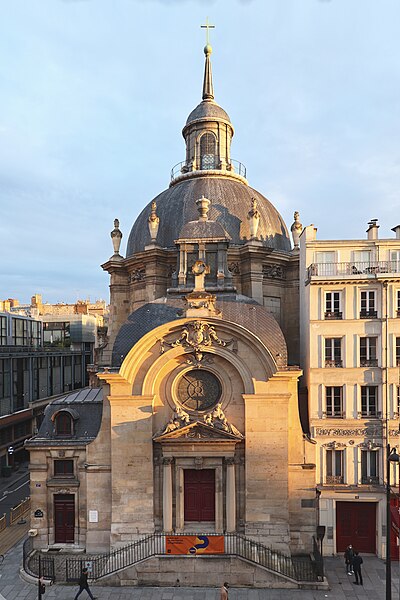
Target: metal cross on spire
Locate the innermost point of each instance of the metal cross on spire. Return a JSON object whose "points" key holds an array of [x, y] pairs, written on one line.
{"points": [[207, 26]]}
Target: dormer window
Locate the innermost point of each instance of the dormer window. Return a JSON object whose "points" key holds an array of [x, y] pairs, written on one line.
{"points": [[207, 151], [64, 423]]}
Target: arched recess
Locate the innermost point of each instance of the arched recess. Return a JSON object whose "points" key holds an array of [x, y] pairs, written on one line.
{"points": [[145, 364]]}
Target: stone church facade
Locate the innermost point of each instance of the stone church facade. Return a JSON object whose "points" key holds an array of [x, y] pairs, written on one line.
{"points": [[194, 425]]}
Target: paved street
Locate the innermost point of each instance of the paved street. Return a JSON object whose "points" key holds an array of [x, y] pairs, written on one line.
{"points": [[13, 588], [13, 489]]}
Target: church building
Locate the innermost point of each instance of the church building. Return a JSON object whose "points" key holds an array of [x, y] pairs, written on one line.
{"points": [[193, 426]]}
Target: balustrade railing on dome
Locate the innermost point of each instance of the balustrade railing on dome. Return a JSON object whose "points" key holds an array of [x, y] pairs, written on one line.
{"points": [[234, 166]]}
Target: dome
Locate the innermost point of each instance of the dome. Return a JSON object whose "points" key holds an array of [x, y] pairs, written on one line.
{"points": [[230, 204], [202, 230], [235, 308], [208, 110]]}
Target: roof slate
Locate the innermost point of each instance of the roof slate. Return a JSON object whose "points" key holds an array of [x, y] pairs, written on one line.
{"points": [[230, 204], [235, 308], [87, 406]]}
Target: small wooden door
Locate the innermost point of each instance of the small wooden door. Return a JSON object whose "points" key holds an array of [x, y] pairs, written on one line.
{"points": [[64, 518], [356, 525], [199, 494]]}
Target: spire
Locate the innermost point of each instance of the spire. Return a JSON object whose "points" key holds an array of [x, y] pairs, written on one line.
{"points": [[208, 90]]}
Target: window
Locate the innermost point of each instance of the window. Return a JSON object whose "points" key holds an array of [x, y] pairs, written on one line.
{"points": [[368, 352], [369, 466], [63, 468], [398, 303], [4, 378], [395, 261], [56, 334], [334, 466], [63, 423], [334, 401], [207, 151], [369, 401], [398, 352], [332, 305], [3, 331], [326, 262], [368, 310], [333, 352], [362, 261], [396, 411], [20, 332], [36, 333]]}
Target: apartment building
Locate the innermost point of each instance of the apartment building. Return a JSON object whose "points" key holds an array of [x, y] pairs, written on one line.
{"points": [[350, 355]]}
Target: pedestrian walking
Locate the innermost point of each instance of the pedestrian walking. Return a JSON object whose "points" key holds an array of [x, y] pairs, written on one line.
{"points": [[224, 591], [83, 584], [357, 562], [348, 559]]}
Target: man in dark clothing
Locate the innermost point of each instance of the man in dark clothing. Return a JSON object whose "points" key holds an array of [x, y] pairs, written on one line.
{"points": [[357, 562], [83, 584], [348, 559]]}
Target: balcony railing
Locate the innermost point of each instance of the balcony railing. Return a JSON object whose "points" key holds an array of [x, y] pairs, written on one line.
{"points": [[353, 269], [334, 363], [368, 362], [335, 414], [374, 414], [368, 314], [370, 480], [333, 315], [333, 479], [234, 166]]}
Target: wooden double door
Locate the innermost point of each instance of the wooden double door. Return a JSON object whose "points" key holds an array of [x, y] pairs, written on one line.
{"points": [[199, 490], [64, 518], [356, 525]]}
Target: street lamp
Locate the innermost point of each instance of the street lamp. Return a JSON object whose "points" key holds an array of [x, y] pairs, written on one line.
{"points": [[391, 456]]}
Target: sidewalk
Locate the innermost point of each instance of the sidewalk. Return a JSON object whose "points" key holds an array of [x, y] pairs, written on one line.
{"points": [[13, 533], [342, 587]]}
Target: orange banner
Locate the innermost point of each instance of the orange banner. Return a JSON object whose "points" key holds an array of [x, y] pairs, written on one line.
{"points": [[194, 544]]}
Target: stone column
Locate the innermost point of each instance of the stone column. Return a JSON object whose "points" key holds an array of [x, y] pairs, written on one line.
{"points": [[167, 494], [230, 495]]}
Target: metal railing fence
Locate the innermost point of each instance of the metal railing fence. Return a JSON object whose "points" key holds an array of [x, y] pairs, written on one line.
{"points": [[20, 510], [301, 569], [35, 562]]}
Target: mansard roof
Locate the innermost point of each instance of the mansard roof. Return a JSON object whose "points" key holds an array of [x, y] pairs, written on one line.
{"points": [[85, 406]]}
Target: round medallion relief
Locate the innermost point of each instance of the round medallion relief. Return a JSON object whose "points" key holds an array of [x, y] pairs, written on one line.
{"points": [[198, 390]]}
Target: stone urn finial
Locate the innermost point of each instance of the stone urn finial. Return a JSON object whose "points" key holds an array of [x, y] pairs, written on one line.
{"points": [[296, 230], [253, 217], [116, 236], [153, 222], [203, 205]]}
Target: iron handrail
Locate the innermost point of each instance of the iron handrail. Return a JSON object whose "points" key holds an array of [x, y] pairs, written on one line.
{"points": [[300, 569]]}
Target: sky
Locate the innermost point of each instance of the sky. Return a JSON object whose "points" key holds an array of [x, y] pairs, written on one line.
{"points": [[94, 95]]}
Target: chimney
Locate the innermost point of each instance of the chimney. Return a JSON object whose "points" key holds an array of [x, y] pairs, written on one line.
{"points": [[372, 230], [397, 231]]}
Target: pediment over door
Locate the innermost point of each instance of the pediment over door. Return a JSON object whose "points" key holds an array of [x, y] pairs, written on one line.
{"points": [[198, 432]]}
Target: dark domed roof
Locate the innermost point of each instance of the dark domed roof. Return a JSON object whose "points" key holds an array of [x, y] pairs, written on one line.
{"points": [[198, 230], [235, 308], [207, 110], [230, 204]]}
